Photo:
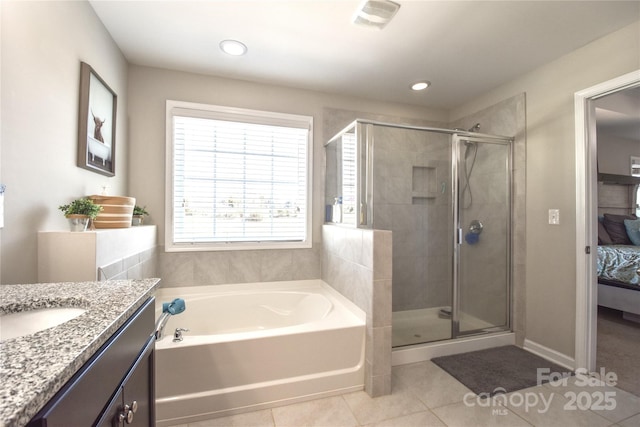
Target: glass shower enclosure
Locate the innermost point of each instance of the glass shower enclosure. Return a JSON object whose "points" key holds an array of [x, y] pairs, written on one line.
{"points": [[446, 197]]}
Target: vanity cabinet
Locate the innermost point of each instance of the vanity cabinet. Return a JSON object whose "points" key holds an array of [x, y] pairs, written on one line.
{"points": [[127, 406], [104, 390]]}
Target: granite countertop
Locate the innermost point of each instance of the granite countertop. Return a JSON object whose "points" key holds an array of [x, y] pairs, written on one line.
{"points": [[34, 367]]}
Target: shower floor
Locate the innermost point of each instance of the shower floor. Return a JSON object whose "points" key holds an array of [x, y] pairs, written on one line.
{"points": [[424, 325]]}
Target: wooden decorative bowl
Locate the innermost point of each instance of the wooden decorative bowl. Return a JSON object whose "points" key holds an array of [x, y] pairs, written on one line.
{"points": [[117, 211]]}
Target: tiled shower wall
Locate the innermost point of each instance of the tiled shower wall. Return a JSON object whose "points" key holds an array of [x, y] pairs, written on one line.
{"points": [[357, 263], [413, 255], [412, 197], [506, 118]]}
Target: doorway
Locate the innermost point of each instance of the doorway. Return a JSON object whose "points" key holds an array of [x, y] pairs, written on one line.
{"points": [[586, 215]]}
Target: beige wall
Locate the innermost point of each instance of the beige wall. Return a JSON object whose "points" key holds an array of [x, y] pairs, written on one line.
{"points": [[551, 259], [614, 154], [42, 46]]}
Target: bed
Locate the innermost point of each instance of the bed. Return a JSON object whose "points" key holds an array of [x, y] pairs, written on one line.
{"points": [[618, 265]]}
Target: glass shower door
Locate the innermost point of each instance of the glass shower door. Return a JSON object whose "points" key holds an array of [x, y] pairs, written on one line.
{"points": [[484, 236], [411, 195]]}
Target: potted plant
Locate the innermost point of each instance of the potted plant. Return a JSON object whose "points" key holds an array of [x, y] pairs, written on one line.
{"points": [[79, 212], [138, 215]]}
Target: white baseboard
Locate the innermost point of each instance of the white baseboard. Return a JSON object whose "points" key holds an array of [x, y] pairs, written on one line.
{"points": [[550, 354]]}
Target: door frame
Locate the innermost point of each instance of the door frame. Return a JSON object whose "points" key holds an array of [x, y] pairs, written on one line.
{"points": [[460, 230], [586, 215]]}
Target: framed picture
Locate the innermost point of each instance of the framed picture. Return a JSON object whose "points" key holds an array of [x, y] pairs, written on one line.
{"points": [[96, 123]]}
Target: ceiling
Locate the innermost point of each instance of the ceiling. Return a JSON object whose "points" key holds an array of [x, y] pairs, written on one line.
{"points": [[618, 114], [465, 48]]}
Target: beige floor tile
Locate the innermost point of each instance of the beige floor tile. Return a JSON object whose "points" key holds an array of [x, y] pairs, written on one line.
{"points": [[330, 411], [472, 415], [543, 406], [605, 400], [430, 383], [250, 419], [631, 422], [369, 410], [419, 419]]}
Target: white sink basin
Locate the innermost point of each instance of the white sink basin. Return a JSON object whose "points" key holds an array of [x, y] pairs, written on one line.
{"points": [[29, 322]]}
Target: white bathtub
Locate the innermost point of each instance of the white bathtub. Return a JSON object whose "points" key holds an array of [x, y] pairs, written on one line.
{"points": [[253, 346]]}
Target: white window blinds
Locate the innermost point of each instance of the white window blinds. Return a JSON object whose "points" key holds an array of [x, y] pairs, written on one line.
{"points": [[239, 178], [349, 178]]}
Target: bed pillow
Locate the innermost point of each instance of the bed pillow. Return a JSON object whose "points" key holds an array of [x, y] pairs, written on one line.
{"points": [[603, 236], [616, 229], [633, 230]]}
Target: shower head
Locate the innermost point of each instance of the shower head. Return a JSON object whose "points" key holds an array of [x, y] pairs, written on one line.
{"points": [[474, 128]]}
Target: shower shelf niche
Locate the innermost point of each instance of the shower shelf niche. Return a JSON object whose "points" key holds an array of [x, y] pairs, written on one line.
{"points": [[424, 184]]}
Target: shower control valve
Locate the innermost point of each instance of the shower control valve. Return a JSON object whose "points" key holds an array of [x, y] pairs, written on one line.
{"points": [[476, 227]]}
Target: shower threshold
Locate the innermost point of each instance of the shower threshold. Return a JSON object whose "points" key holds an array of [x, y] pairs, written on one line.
{"points": [[427, 351], [412, 327]]}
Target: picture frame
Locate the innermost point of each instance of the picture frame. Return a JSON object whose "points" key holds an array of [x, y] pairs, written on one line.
{"points": [[96, 123]]}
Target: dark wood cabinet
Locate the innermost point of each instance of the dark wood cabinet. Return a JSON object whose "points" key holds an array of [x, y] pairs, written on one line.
{"points": [[132, 404], [120, 373]]}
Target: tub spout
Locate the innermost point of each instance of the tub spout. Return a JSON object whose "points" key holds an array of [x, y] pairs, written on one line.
{"points": [[169, 309], [162, 321]]}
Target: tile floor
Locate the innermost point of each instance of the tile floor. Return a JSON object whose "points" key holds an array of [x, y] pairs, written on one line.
{"points": [[424, 395]]}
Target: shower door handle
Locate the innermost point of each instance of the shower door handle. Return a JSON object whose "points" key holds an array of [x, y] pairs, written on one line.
{"points": [[459, 236]]}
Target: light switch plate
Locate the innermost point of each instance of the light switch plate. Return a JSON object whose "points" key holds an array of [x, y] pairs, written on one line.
{"points": [[554, 216]]}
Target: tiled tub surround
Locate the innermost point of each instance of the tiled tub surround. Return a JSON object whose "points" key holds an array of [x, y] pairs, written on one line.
{"points": [[357, 263], [223, 267], [34, 367], [140, 265]]}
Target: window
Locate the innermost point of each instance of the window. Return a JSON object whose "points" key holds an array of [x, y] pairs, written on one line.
{"points": [[237, 179], [349, 178]]}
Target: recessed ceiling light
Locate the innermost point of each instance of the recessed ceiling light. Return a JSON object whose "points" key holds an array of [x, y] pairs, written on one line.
{"points": [[375, 13], [420, 85], [233, 47]]}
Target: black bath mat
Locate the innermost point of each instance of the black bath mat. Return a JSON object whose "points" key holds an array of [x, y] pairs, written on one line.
{"points": [[497, 370]]}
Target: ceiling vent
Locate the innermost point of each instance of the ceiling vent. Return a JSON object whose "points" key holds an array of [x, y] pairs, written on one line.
{"points": [[375, 13]]}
